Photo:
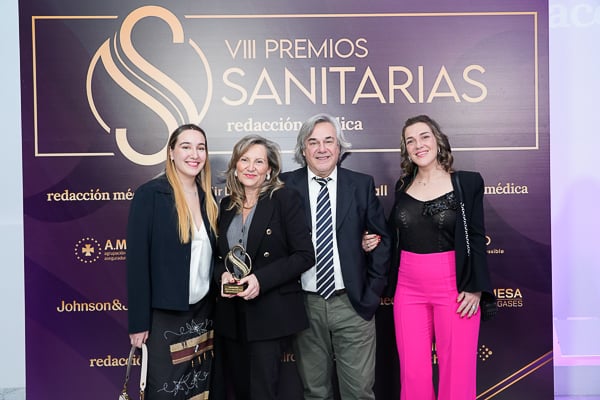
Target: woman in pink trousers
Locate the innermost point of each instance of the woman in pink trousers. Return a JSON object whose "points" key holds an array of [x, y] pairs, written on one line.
{"points": [[440, 260]]}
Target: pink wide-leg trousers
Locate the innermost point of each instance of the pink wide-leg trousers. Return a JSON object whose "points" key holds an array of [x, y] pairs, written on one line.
{"points": [[425, 310]]}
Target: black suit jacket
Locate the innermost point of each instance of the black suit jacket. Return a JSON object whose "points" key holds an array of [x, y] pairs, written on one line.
{"points": [[470, 279], [280, 246], [358, 210], [158, 264]]}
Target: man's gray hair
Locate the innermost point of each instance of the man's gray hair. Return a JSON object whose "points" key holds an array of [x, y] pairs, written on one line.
{"points": [[307, 129]]}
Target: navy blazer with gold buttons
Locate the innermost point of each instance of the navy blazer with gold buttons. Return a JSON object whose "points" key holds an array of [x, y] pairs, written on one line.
{"points": [[281, 248]]}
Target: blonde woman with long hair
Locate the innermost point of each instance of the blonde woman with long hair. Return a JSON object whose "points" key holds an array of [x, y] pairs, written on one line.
{"points": [[171, 236]]}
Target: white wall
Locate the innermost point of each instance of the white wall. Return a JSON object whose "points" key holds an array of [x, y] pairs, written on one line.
{"points": [[12, 308], [575, 182], [575, 153]]}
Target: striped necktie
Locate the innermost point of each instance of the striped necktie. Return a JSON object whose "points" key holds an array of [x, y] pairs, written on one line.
{"points": [[325, 276]]}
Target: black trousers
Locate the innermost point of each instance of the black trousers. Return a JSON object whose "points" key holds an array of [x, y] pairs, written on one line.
{"points": [[253, 368]]}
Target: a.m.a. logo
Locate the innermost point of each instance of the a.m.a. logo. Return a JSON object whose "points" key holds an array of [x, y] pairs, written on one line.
{"points": [[115, 249], [88, 250], [135, 75]]}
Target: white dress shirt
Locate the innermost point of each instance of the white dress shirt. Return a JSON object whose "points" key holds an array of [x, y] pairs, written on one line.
{"points": [[309, 278], [200, 263]]}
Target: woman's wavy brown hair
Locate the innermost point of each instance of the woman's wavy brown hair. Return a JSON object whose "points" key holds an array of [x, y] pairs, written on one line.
{"points": [[444, 151]]}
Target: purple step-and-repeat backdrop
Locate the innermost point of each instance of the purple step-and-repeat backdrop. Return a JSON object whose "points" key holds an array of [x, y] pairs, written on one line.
{"points": [[104, 83]]}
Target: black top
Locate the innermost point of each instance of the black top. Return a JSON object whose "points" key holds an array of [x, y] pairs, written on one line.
{"points": [[426, 226], [472, 273]]}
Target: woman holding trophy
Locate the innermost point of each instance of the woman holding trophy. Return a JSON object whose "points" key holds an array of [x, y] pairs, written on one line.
{"points": [[264, 246]]}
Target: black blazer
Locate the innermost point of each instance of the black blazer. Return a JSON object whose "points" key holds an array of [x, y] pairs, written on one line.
{"points": [[358, 210], [477, 278], [158, 264], [280, 246]]}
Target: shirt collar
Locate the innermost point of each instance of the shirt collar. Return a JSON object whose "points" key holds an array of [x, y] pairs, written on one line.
{"points": [[332, 176]]}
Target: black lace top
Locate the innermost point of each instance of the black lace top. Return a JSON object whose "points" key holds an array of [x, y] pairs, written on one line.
{"points": [[426, 226]]}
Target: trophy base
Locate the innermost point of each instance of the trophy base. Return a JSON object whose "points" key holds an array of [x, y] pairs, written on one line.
{"points": [[229, 288]]}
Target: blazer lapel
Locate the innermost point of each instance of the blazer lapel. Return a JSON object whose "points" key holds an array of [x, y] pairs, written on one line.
{"points": [[300, 183], [260, 222], [209, 231], [345, 196], [225, 220]]}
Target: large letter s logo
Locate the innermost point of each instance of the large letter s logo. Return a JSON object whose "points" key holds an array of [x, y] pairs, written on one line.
{"points": [[155, 90]]}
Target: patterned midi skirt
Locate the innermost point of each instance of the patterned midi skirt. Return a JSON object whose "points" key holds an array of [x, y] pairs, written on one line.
{"points": [[180, 353]]}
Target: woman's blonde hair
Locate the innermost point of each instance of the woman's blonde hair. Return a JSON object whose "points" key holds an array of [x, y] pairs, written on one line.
{"points": [[184, 215], [234, 186]]}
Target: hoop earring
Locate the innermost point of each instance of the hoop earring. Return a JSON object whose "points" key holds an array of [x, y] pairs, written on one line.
{"points": [[235, 173], [268, 176]]}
